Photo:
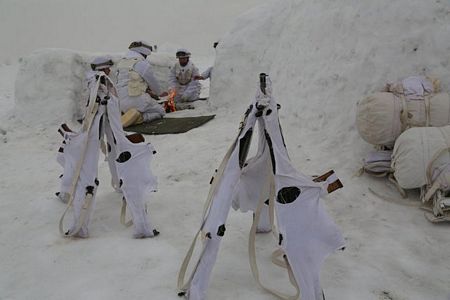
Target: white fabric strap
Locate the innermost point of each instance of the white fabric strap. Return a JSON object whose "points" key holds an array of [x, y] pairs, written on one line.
{"points": [[123, 212], [331, 179], [279, 252]]}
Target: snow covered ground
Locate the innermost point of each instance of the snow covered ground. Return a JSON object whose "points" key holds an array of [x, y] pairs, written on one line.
{"points": [[322, 55]]}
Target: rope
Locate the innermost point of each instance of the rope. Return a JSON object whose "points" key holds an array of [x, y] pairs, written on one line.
{"points": [[402, 192], [404, 114], [427, 111]]}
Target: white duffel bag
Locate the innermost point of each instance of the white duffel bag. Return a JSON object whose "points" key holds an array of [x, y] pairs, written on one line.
{"points": [[382, 117], [420, 155]]}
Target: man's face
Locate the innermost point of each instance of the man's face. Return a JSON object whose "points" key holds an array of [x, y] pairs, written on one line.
{"points": [[107, 71], [183, 61]]}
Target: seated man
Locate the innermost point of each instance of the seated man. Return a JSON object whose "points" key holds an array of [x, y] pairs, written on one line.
{"points": [[137, 86], [181, 80]]}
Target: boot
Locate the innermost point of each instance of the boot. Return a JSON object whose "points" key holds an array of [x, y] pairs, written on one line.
{"points": [[131, 117]]}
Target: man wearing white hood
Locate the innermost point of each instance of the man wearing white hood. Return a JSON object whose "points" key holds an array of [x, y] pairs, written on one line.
{"points": [[182, 79], [99, 63], [137, 86]]}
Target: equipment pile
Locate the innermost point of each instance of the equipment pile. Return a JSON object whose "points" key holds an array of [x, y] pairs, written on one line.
{"points": [[407, 123]]}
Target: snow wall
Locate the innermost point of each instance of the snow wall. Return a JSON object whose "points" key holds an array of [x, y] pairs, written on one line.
{"points": [[323, 56], [51, 88]]}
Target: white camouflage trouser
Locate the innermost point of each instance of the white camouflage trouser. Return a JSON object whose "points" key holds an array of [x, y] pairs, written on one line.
{"points": [[149, 108], [189, 92]]}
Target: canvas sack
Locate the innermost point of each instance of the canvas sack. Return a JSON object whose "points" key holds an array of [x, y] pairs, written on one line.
{"points": [[419, 151], [383, 116]]}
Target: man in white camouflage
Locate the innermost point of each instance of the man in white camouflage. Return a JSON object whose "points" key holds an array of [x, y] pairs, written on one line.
{"points": [[137, 87], [182, 79]]}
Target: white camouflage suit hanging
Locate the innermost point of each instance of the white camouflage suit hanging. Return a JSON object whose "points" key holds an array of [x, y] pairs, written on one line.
{"points": [[307, 235], [129, 163]]}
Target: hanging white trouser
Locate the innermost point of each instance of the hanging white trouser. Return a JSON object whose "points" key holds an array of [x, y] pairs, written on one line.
{"points": [[307, 234], [133, 170], [129, 164], [216, 213]]}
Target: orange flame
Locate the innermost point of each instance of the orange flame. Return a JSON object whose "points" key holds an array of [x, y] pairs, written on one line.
{"points": [[169, 105]]}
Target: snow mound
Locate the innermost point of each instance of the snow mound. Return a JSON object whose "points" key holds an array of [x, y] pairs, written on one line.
{"points": [[323, 56], [50, 86]]}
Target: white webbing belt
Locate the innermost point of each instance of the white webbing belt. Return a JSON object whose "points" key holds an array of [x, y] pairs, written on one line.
{"points": [[123, 212]]}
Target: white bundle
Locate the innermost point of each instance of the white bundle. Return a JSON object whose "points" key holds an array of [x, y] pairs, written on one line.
{"points": [[378, 118], [383, 116], [419, 151]]}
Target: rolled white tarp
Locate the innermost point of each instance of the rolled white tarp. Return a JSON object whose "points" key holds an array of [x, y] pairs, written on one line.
{"points": [[383, 116]]}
